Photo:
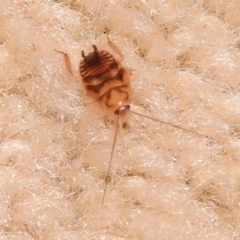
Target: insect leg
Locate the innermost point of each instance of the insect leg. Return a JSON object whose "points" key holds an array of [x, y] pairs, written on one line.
{"points": [[67, 61], [115, 48]]}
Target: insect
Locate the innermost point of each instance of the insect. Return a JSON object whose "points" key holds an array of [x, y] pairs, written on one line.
{"points": [[107, 81]]}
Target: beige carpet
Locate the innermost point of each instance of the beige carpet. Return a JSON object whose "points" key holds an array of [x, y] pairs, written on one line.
{"points": [[166, 184]]}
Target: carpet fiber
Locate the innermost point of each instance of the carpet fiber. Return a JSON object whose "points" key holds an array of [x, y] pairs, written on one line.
{"points": [[165, 183]]}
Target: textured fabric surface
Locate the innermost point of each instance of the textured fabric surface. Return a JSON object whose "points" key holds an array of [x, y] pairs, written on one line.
{"points": [[56, 142]]}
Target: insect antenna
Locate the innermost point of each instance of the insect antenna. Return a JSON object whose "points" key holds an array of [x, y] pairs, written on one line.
{"points": [[170, 124], [111, 159]]}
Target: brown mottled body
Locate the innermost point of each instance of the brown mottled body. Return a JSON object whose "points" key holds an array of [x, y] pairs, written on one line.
{"points": [[105, 79]]}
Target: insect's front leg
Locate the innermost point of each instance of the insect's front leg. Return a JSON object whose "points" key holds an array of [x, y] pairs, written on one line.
{"points": [[67, 61], [115, 48]]}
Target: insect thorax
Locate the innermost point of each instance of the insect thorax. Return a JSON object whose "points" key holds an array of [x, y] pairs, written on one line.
{"points": [[105, 80]]}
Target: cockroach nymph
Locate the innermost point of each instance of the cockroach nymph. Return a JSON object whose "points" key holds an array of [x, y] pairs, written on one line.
{"points": [[108, 82]]}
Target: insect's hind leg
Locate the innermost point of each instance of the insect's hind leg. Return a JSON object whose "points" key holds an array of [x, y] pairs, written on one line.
{"points": [[67, 61]]}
